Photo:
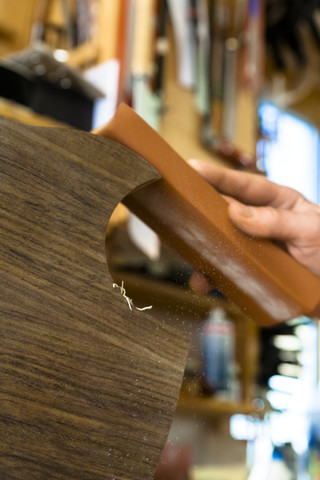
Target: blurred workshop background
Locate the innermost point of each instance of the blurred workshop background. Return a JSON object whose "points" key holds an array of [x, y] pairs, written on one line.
{"points": [[229, 81]]}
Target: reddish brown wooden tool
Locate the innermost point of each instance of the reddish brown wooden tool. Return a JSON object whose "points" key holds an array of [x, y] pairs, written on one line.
{"points": [[192, 217]]}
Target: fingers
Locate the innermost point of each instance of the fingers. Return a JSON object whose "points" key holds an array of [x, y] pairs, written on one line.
{"points": [[199, 283], [249, 188], [299, 230], [261, 208], [269, 222]]}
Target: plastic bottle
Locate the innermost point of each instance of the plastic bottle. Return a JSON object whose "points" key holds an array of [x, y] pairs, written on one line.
{"points": [[219, 352], [278, 469]]}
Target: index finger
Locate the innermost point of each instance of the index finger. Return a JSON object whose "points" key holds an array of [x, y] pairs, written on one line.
{"points": [[250, 188]]}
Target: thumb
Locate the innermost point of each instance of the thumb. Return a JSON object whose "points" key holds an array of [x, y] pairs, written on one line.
{"points": [[266, 222]]}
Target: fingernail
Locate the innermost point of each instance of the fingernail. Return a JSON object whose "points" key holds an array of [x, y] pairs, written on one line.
{"points": [[193, 162]]}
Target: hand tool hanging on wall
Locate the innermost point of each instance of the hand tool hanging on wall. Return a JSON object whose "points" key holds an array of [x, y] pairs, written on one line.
{"points": [[216, 56], [284, 20], [35, 78], [146, 102]]}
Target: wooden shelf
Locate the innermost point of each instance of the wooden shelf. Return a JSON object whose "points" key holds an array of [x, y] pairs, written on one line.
{"points": [[211, 407], [20, 113]]}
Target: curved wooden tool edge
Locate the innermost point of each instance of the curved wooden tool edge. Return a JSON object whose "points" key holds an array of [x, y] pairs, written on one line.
{"points": [[191, 216], [88, 387]]}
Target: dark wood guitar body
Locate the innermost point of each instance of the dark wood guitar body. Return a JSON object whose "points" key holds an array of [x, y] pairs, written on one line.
{"points": [[88, 387]]}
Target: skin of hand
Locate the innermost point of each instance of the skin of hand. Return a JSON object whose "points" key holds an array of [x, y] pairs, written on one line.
{"points": [[262, 208]]}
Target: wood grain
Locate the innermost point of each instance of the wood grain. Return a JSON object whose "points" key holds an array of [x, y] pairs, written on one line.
{"points": [[88, 387]]}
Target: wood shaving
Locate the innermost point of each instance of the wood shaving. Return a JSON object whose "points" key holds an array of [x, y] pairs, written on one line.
{"points": [[129, 300]]}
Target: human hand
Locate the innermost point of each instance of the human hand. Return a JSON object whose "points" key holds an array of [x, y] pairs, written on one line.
{"points": [[264, 209]]}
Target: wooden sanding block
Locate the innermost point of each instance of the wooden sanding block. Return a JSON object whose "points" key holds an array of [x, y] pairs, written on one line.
{"points": [[191, 217]]}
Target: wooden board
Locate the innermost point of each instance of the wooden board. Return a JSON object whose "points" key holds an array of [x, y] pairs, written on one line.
{"points": [[192, 217], [88, 387]]}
